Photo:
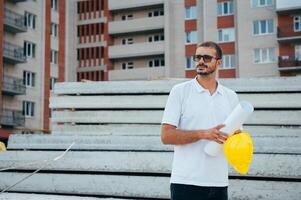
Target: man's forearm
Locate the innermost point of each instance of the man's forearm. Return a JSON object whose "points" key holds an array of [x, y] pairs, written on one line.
{"points": [[180, 137]]}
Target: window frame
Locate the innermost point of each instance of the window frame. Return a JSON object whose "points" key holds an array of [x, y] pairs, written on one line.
{"points": [[29, 79], [223, 35], [30, 20], [268, 49], [29, 49], [222, 6], [191, 11], [28, 108], [266, 24], [231, 61]]}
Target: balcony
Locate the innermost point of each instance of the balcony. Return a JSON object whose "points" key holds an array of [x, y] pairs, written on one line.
{"points": [[13, 86], [13, 54], [14, 22], [286, 34], [12, 118], [136, 25], [289, 63], [136, 50], [115, 5], [288, 7], [145, 73]]}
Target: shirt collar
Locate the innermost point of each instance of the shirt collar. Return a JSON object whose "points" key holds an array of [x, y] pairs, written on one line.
{"points": [[200, 88]]}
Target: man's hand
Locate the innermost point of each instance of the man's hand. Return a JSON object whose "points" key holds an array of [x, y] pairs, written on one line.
{"points": [[216, 135]]}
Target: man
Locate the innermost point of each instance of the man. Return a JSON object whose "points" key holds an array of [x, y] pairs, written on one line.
{"points": [[193, 116]]}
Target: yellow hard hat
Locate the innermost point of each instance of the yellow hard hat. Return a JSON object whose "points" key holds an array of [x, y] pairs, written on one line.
{"points": [[238, 150], [2, 147]]}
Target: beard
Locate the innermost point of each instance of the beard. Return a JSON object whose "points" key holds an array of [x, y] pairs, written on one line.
{"points": [[205, 71]]}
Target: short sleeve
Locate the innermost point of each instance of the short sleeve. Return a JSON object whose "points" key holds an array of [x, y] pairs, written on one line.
{"points": [[172, 111]]}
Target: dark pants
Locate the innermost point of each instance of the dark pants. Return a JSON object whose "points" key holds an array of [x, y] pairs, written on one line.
{"points": [[191, 192]]}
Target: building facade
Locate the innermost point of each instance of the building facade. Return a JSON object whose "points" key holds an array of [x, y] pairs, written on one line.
{"points": [[155, 39], [32, 35]]}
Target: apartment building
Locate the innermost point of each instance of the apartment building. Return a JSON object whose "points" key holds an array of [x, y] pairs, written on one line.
{"points": [[33, 56], [155, 39]]}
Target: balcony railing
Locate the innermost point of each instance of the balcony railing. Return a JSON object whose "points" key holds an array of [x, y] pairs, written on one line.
{"points": [[289, 61], [14, 22], [13, 86], [11, 117], [288, 32], [13, 54]]}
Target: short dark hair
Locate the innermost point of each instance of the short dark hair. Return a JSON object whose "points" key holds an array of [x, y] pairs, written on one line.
{"points": [[219, 52]]}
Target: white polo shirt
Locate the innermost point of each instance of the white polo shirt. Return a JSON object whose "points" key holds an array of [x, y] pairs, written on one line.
{"points": [[191, 107]]}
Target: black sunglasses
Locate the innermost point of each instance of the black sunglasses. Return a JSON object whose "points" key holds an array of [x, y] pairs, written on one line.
{"points": [[206, 58]]}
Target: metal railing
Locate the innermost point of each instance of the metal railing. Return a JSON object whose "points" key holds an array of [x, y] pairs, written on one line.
{"points": [[11, 117], [13, 85], [14, 19], [289, 61], [14, 52]]}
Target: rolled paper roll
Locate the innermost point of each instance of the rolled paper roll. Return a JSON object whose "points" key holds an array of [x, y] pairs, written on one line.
{"points": [[233, 122]]}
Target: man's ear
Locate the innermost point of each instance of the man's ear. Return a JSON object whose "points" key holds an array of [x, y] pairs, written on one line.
{"points": [[219, 62]]}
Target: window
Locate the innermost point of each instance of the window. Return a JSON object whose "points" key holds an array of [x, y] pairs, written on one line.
{"points": [[298, 52], [28, 108], [127, 17], [30, 20], [228, 61], [226, 35], [54, 29], [28, 79], [52, 82], [263, 27], [156, 13], [191, 37], [261, 3], [190, 12], [158, 62], [156, 38], [297, 23], [54, 56], [126, 41], [54, 5], [128, 65], [189, 62], [225, 8], [264, 55], [29, 49]]}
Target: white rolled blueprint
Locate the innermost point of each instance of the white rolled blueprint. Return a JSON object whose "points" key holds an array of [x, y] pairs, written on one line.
{"points": [[233, 122]]}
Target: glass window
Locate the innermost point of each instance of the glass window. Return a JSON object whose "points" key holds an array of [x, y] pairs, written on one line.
{"points": [[54, 29], [54, 57], [264, 55], [29, 49], [190, 12], [262, 27], [158, 62], [297, 23], [30, 20], [54, 5], [28, 79], [226, 35], [52, 82], [261, 3], [189, 62], [228, 61], [28, 108], [225, 8], [191, 37]]}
